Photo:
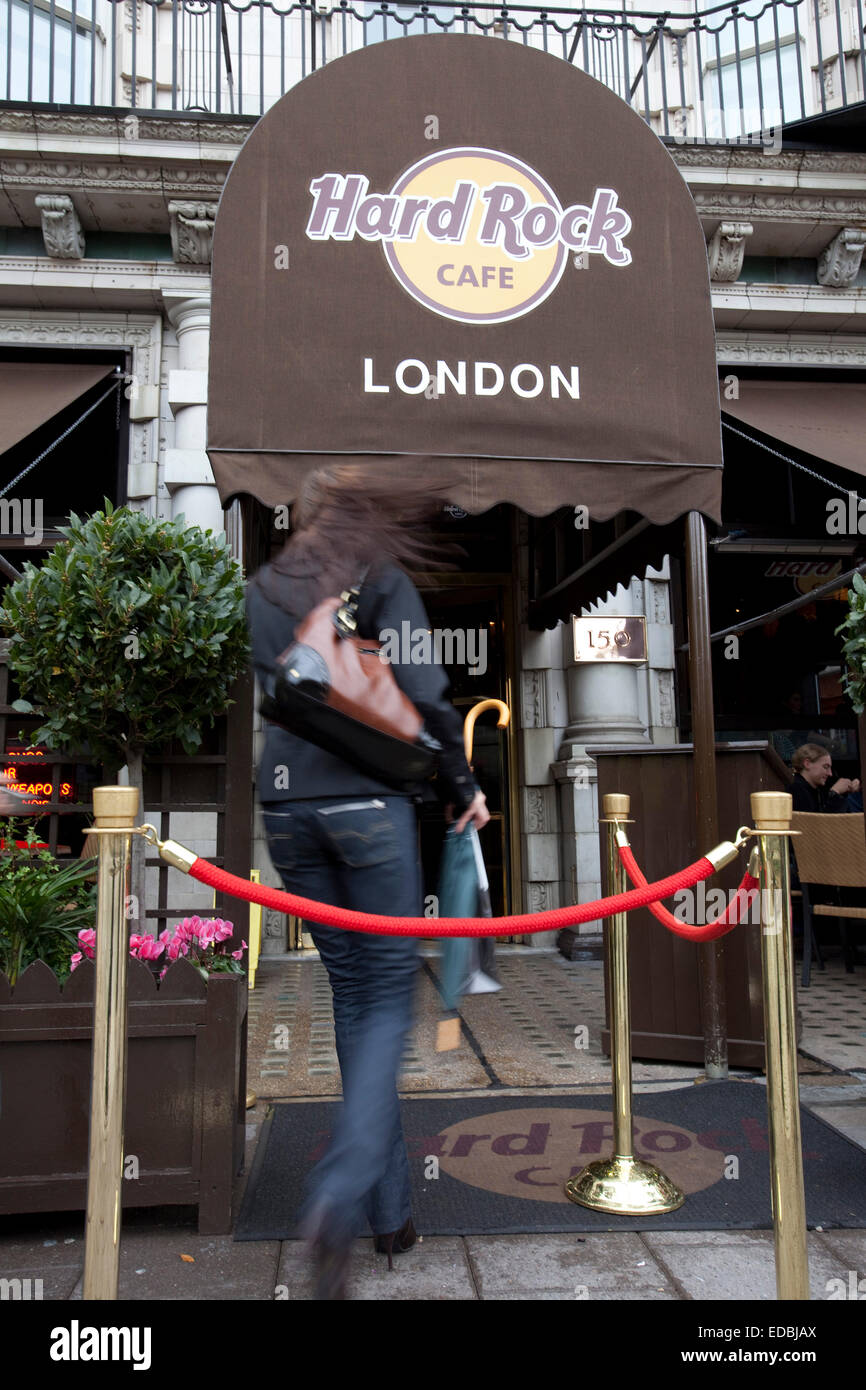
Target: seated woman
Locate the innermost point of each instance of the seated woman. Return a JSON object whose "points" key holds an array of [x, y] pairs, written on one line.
{"points": [[813, 769]]}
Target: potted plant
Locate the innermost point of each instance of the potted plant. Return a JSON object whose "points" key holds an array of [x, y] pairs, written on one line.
{"points": [[205, 944], [186, 1074], [128, 636]]}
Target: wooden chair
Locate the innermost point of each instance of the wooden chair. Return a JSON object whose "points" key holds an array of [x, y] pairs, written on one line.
{"points": [[830, 849]]}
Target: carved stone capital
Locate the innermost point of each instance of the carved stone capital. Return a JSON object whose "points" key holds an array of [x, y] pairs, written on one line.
{"points": [[192, 232], [726, 250], [61, 229], [839, 262]]}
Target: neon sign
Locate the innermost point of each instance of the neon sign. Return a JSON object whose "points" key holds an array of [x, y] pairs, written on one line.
{"points": [[32, 779]]}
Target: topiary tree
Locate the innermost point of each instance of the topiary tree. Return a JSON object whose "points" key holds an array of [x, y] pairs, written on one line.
{"points": [[128, 636]]}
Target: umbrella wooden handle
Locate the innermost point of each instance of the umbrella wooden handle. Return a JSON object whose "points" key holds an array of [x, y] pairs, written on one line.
{"points": [[469, 722]]}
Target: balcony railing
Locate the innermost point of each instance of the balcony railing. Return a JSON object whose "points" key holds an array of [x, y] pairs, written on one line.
{"points": [[722, 74]]}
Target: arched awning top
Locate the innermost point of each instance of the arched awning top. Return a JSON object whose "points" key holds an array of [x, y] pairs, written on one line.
{"points": [[470, 261]]}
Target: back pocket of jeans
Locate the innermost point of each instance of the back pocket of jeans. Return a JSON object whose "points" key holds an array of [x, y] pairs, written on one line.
{"points": [[362, 833], [281, 838]]}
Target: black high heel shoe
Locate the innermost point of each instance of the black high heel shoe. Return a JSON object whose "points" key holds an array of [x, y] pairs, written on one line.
{"points": [[396, 1242]]}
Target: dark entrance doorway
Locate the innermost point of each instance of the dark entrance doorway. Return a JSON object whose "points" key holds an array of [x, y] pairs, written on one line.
{"points": [[476, 605], [480, 610]]}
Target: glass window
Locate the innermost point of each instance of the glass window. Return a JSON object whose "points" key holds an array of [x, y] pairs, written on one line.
{"points": [[26, 66], [763, 104], [765, 38], [399, 21]]}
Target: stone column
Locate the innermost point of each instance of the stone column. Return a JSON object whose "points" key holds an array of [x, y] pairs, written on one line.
{"points": [[188, 474], [542, 722], [603, 708]]}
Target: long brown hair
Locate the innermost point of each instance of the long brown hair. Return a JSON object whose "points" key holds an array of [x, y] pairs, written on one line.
{"points": [[352, 517]]}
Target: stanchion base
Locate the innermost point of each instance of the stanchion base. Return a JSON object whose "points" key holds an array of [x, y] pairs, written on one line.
{"points": [[628, 1186]]}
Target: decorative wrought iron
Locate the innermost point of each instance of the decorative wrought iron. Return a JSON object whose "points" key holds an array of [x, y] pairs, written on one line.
{"points": [[728, 73]]}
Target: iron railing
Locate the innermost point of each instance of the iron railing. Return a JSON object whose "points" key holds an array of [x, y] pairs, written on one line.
{"points": [[725, 73]]}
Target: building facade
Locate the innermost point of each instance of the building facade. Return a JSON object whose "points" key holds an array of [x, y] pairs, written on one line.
{"points": [[119, 126]]}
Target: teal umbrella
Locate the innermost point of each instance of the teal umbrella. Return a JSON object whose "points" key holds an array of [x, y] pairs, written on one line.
{"points": [[463, 892]]}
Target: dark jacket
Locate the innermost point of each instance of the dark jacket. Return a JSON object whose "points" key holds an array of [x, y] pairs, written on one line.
{"points": [[809, 798], [387, 600]]}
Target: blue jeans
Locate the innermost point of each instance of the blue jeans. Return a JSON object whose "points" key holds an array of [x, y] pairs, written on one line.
{"points": [[359, 852]]}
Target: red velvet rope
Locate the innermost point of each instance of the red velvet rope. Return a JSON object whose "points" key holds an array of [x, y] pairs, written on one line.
{"points": [[724, 923], [553, 920]]}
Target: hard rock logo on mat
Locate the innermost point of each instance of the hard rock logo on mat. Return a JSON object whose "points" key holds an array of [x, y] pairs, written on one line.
{"points": [[531, 1152], [473, 234]]}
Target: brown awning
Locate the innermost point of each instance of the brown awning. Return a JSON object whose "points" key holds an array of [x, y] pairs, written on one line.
{"points": [[33, 392], [375, 295], [659, 492], [826, 419]]}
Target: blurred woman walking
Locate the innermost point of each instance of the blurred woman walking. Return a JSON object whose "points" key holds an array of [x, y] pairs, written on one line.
{"points": [[342, 837]]}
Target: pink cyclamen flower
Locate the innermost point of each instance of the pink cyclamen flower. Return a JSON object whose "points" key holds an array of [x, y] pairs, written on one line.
{"points": [[87, 940], [76, 960], [178, 947], [206, 934], [187, 930], [236, 955], [146, 947], [223, 929]]}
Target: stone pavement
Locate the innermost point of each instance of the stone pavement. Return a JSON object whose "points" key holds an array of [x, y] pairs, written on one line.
{"points": [[526, 1035]]}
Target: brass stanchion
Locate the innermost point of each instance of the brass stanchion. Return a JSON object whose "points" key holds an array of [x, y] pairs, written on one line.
{"points": [[772, 814], [622, 1183], [115, 809]]}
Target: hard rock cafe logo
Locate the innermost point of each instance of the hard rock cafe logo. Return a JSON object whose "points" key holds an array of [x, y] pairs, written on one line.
{"points": [[806, 574], [473, 234], [532, 1153]]}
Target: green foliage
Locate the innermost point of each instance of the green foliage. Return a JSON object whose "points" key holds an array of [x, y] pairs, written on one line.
{"points": [[854, 646], [43, 904], [129, 635]]}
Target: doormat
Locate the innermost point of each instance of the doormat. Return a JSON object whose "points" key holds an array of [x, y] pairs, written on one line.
{"points": [[482, 1166]]}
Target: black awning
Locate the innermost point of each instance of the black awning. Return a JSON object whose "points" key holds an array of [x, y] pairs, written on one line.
{"points": [[642, 547], [833, 130]]}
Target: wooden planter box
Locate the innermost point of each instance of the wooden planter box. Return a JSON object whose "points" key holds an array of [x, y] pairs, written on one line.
{"points": [[666, 1018], [185, 1095]]}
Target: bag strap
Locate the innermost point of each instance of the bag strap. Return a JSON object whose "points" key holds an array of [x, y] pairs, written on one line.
{"points": [[346, 616]]}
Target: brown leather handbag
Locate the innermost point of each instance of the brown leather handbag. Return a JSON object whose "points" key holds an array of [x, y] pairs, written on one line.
{"points": [[332, 688]]}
